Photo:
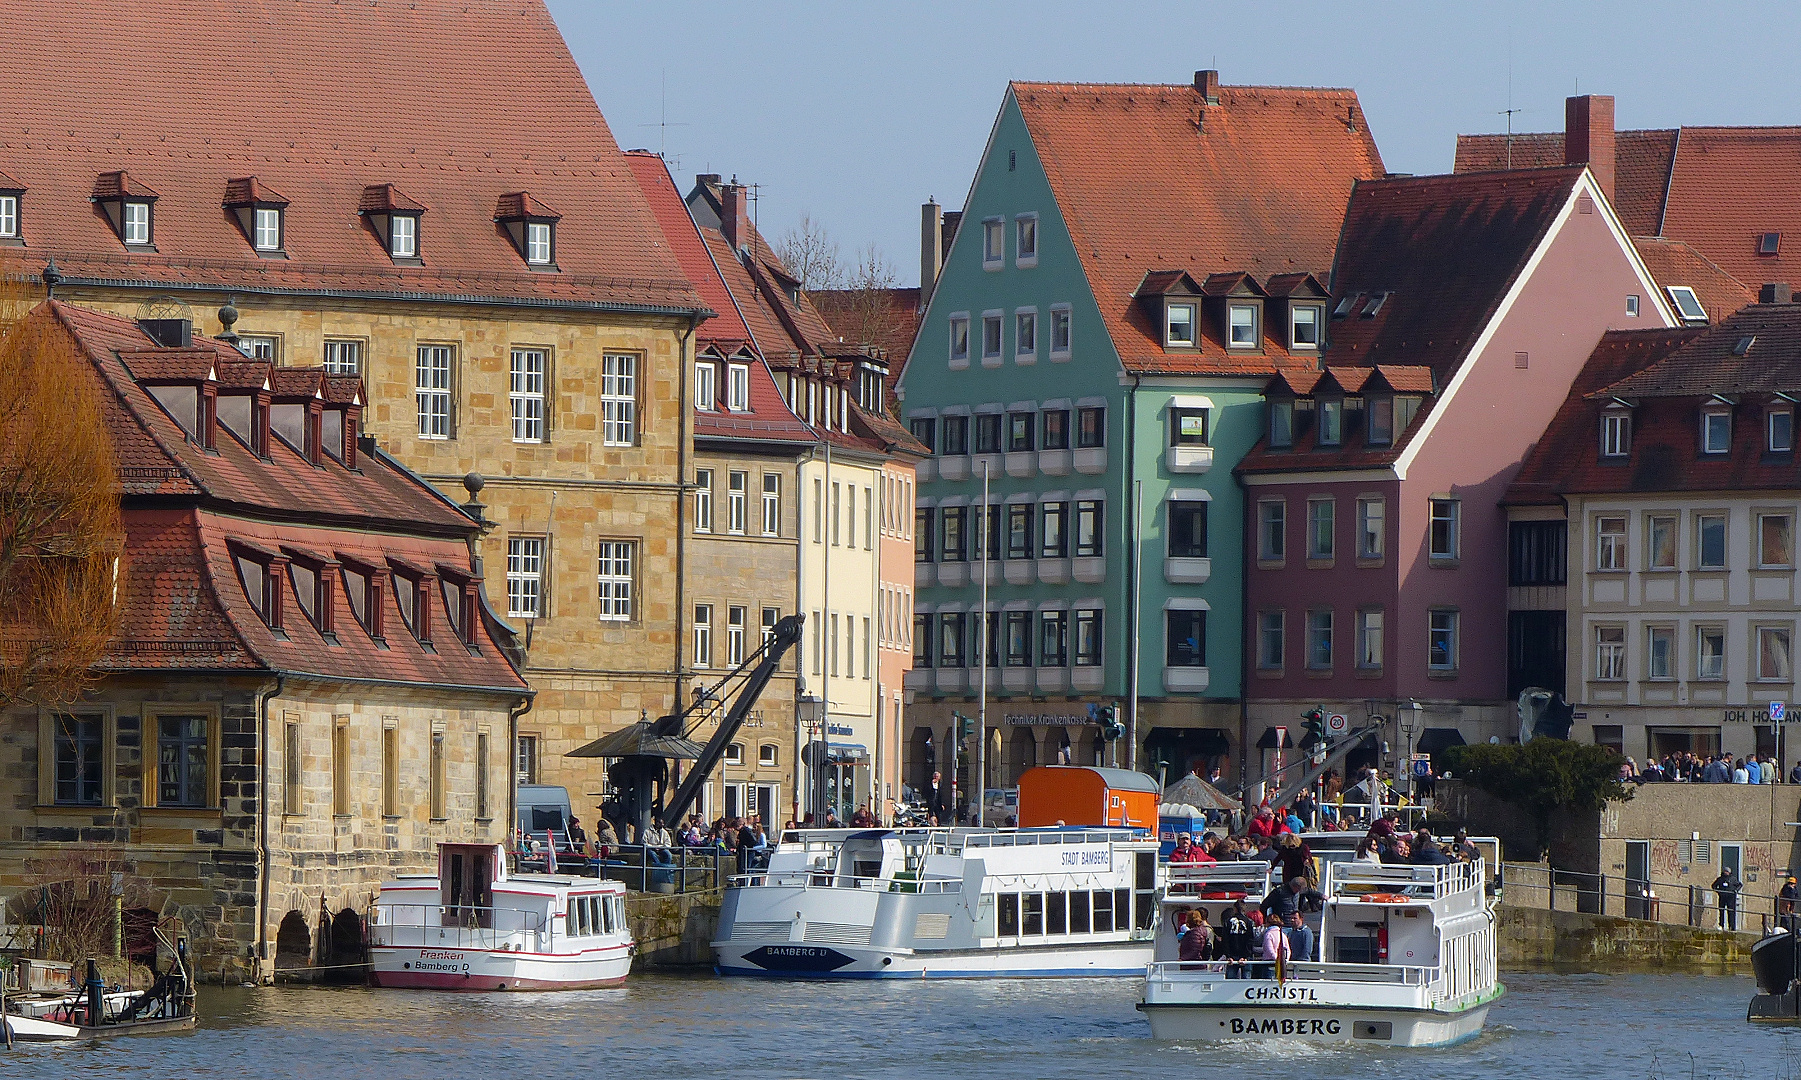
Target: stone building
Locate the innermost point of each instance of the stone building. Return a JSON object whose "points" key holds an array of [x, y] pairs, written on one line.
{"points": [[307, 692], [475, 249]]}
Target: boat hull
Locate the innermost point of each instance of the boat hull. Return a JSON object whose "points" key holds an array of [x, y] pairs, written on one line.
{"points": [[1376, 1027], [820, 961], [480, 969]]}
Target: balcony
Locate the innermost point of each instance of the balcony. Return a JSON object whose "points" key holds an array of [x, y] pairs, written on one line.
{"points": [[1087, 680], [1053, 571], [1021, 571], [1090, 461], [1089, 569], [1052, 680], [1185, 680], [1180, 571], [953, 575], [1022, 464], [952, 468], [948, 680], [1189, 459], [1016, 680], [1054, 462]]}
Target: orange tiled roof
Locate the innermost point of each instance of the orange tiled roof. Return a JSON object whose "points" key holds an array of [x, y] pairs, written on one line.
{"points": [[1673, 262], [1151, 178], [149, 92]]}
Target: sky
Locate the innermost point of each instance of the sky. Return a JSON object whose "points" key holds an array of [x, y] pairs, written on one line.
{"points": [[854, 113]]}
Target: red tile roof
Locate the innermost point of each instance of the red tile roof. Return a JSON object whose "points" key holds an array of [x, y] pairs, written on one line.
{"points": [[185, 606], [1152, 178], [147, 91], [1672, 262], [1717, 188], [248, 191], [1756, 350], [894, 314], [1424, 263]]}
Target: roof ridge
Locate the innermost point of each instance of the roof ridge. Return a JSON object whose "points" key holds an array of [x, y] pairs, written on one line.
{"points": [[1189, 86]]}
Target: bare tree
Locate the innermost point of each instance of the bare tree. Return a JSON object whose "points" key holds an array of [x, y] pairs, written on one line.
{"points": [[865, 313], [811, 255], [60, 530]]}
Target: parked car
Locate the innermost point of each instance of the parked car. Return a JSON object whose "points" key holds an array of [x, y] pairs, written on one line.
{"points": [[999, 804]]}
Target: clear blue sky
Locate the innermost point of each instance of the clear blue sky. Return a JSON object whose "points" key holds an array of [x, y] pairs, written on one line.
{"points": [[856, 112]]}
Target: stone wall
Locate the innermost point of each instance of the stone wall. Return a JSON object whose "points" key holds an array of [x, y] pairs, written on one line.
{"points": [[1531, 938], [673, 932]]}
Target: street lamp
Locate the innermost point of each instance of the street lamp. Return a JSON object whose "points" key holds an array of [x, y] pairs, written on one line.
{"points": [[811, 712]]}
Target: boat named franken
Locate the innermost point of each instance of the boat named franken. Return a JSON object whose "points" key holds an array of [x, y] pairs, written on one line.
{"points": [[1409, 960], [945, 903]]}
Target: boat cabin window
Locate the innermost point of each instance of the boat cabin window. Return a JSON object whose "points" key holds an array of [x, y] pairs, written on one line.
{"points": [[579, 909], [1103, 912], [1078, 913], [1009, 911], [1033, 904], [1056, 913]]}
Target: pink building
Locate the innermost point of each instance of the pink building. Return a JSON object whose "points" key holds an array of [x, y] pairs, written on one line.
{"points": [[1462, 308]]}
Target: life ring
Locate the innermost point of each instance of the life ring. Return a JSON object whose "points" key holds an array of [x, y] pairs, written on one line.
{"points": [[1385, 898], [1223, 894]]}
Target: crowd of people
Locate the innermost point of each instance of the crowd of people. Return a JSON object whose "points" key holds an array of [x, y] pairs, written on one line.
{"points": [[1251, 941], [1687, 768]]}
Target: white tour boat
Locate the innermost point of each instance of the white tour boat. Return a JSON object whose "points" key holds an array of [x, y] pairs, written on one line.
{"points": [[945, 903], [1408, 960], [473, 926]]}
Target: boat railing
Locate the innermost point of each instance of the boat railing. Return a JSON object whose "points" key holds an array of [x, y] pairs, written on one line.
{"points": [[1369, 974], [1203, 880], [430, 926], [826, 879], [1038, 837], [1415, 882]]}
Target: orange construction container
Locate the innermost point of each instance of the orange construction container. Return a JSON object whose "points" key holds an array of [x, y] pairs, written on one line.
{"points": [[1080, 795]]}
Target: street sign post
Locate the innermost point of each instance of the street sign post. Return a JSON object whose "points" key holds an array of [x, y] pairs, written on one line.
{"points": [[1337, 723]]}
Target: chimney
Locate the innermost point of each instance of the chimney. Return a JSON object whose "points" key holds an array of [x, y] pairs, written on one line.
{"points": [[1206, 84], [734, 214], [1588, 137], [1776, 292], [931, 249]]}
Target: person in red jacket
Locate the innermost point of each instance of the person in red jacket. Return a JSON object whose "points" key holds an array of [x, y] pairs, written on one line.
{"points": [[1262, 824]]}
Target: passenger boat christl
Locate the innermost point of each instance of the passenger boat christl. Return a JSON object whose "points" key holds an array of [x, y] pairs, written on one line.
{"points": [[1408, 951], [963, 902], [473, 926]]}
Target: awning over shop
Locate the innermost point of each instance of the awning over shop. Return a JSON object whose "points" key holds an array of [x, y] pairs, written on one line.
{"points": [[848, 751], [1434, 739]]}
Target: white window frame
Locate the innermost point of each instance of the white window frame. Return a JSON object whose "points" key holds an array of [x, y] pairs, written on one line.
{"points": [[434, 374], [1170, 341], [736, 617], [1025, 225], [1610, 543], [1329, 430], [1701, 521], [997, 320], [619, 399], [737, 387], [1322, 512], [703, 500], [706, 385], [1445, 624], [528, 375], [343, 357], [1655, 524], [1786, 634], [994, 243], [1687, 304], [539, 243], [768, 754], [1272, 512], [260, 346], [959, 336], [737, 495], [1787, 442], [617, 577], [1452, 515], [772, 504], [1318, 314], [9, 217], [1706, 671], [1610, 653], [1788, 529], [703, 635], [1632, 302], [1372, 528], [1708, 428], [135, 223], [1256, 335], [403, 236], [265, 232], [1025, 336], [1369, 639], [1661, 668], [1062, 325], [525, 577], [1616, 433]]}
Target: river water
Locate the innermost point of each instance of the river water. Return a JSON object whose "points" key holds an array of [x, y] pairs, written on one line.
{"points": [[662, 1027]]}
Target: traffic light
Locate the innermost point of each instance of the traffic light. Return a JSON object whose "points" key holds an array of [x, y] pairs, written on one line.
{"points": [[1106, 717], [966, 725], [1316, 724]]}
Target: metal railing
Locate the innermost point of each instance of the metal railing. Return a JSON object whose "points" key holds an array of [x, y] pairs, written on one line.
{"points": [[1417, 882], [826, 879], [1536, 885], [650, 869], [429, 926], [1373, 974], [1197, 880]]}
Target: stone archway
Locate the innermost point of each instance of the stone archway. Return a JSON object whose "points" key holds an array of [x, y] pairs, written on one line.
{"points": [[347, 947], [293, 942], [921, 760], [1022, 754]]}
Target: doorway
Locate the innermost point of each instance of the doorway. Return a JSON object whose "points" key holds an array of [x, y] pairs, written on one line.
{"points": [[1638, 879], [1700, 742]]}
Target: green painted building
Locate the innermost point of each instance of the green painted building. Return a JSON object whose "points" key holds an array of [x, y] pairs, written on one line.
{"points": [[1132, 264]]}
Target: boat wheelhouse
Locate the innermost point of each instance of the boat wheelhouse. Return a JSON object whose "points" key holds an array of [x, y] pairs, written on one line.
{"points": [[1408, 959], [945, 903], [473, 926]]}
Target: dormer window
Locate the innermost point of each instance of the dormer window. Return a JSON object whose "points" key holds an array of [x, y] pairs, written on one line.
{"points": [[1779, 425], [706, 385], [261, 573], [1303, 326], [394, 218], [127, 205], [1331, 421], [136, 227], [531, 226], [737, 387], [1241, 326], [1716, 430], [11, 191], [1281, 424], [260, 212], [1179, 325], [1616, 433], [1688, 305], [267, 232], [1381, 412]]}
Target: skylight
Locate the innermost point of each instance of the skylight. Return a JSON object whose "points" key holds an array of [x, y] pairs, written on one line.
{"points": [[1768, 243], [1688, 305], [1744, 345], [1375, 304]]}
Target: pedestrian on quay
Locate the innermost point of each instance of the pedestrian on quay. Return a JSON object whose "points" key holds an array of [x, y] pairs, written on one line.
{"points": [[1787, 903], [1727, 886]]}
